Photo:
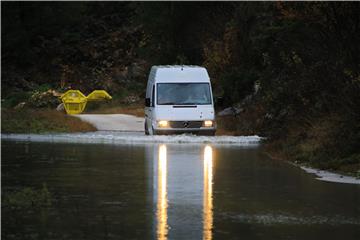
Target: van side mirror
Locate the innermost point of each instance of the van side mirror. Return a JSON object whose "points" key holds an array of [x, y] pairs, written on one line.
{"points": [[147, 102]]}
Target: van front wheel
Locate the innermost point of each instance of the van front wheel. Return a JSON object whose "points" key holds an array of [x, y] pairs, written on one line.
{"points": [[146, 128]]}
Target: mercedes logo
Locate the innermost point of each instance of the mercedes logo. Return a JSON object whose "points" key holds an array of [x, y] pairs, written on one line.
{"points": [[185, 124]]}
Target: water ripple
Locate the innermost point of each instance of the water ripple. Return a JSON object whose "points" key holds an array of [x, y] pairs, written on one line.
{"points": [[133, 138], [275, 219]]}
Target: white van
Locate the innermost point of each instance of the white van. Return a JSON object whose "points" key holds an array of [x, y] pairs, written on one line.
{"points": [[179, 100]]}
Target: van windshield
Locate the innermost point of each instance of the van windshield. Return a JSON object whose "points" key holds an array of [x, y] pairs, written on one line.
{"points": [[183, 94]]}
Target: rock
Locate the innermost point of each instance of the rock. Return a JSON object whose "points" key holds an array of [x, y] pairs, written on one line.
{"points": [[54, 93], [60, 107], [131, 99], [230, 111], [238, 110], [239, 107], [43, 99], [20, 106], [226, 112]]}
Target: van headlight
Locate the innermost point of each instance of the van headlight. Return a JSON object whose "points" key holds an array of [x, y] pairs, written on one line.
{"points": [[208, 123], [163, 124]]}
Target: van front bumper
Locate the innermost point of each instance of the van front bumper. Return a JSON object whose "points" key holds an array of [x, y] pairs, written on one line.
{"points": [[209, 131]]}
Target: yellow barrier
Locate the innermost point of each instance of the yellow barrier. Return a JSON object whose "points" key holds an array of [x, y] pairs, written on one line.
{"points": [[75, 101], [98, 95]]}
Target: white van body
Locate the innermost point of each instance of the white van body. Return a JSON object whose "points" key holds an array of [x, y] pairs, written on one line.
{"points": [[179, 100]]}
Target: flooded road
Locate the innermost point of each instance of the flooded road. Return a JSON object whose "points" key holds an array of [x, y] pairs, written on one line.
{"points": [[169, 191]]}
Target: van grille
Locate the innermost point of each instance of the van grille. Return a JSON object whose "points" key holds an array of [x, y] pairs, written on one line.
{"points": [[186, 124]]}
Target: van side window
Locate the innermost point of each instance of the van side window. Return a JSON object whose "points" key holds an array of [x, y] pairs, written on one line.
{"points": [[153, 96]]}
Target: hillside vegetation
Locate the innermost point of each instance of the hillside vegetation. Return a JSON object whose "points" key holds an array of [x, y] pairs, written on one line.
{"points": [[304, 58]]}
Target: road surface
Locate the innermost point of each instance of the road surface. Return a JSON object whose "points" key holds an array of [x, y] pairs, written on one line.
{"points": [[114, 122]]}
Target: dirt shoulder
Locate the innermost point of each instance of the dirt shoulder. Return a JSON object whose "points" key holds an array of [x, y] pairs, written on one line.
{"points": [[41, 121]]}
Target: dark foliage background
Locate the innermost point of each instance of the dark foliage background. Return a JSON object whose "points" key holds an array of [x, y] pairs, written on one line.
{"points": [[304, 57]]}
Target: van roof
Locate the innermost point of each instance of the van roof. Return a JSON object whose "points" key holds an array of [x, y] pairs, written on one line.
{"points": [[177, 66], [179, 73]]}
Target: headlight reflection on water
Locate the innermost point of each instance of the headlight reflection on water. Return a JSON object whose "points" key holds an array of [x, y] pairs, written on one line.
{"points": [[208, 194], [162, 227], [162, 198]]}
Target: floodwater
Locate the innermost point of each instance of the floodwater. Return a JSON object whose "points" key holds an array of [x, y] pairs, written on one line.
{"points": [[170, 191]]}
